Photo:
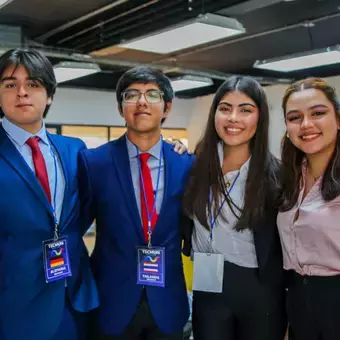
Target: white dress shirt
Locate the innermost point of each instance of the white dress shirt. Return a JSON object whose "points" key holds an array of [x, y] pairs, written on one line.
{"points": [[237, 246]]}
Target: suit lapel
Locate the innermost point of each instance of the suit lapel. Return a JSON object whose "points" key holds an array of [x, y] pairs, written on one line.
{"points": [[122, 164], [13, 157], [62, 153]]}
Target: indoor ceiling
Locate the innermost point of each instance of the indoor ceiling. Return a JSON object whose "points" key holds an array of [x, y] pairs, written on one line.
{"points": [[72, 29]]}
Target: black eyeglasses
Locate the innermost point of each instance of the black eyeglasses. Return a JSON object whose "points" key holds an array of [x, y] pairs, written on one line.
{"points": [[134, 96]]}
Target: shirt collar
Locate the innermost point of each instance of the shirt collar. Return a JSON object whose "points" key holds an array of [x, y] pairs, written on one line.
{"points": [[154, 151], [20, 136]]}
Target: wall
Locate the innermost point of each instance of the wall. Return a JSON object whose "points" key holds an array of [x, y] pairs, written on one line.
{"points": [[198, 119], [89, 107], [277, 125]]}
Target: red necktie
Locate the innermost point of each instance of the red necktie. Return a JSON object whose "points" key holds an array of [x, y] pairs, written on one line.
{"points": [[147, 180], [39, 165]]}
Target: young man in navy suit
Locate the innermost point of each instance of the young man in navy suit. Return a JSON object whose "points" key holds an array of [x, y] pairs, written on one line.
{"points": [[133, 187], [46, 285]]}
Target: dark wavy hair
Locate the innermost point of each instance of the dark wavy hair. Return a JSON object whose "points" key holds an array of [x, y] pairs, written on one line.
{"points": [[207, 174], [292, 157]]}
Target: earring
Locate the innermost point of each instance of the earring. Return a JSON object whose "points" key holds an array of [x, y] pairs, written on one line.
{"points": [[287, 135]]}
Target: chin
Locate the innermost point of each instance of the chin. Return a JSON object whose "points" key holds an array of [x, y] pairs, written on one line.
{"points": [[234, 141], [312, 150], [145, 127], [25, 120]]}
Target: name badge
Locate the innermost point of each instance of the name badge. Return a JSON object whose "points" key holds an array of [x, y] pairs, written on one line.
{"points": [[56, 260], [151, 266], [208, 272]]}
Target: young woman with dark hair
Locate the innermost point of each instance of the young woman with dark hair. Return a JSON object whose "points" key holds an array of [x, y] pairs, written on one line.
{"points": [[309, 216], [232, 197]]}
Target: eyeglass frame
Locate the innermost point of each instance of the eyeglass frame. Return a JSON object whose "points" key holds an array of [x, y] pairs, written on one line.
{"points": [[140, 96]]}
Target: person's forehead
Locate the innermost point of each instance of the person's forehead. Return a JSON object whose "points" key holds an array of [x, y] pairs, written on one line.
{"points": [[15, 70], [143, 86], [307, 98], [236, 97]]}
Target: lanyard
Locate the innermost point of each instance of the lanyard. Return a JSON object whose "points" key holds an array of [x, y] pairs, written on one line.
{"points": [[150, 216], [54, 202], [212, 221]]}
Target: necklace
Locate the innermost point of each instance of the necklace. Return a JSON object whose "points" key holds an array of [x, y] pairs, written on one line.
{"points": [[315, 178]]}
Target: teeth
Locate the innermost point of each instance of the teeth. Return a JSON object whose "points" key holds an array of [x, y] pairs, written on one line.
{"points": [[233, 130], [309, 136]]}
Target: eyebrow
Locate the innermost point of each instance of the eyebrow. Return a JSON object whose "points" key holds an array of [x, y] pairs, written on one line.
{"points": [[310, 108], [240, 105], [318, 106], [15, 78], [136, 90]]}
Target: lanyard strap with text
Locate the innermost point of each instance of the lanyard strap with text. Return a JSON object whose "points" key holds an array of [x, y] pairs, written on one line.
{"points": [[149, 215], [212, 221]]}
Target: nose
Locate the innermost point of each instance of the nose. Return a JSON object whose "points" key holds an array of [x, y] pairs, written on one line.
{"points": [[22, 91], [233, 117], [306, 123], [142, 101]]}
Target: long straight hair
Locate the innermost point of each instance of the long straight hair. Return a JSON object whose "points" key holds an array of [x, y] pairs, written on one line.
{"points": [[207, 174], [292, 157]]}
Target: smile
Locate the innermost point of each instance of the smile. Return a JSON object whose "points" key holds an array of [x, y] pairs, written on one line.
{"points": [[310, 137], [233, 131]]}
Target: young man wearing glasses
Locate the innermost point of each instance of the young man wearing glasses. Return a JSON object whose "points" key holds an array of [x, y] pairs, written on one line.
{"points": [[133, 187]]}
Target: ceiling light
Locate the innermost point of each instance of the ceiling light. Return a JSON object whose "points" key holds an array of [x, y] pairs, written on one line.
{"points": [[301, 61], [65, 70], [4, 3], [203, 29], [190, 82]]}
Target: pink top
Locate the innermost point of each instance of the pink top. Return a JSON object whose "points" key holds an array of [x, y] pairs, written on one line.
{"points": [[311, 244]]}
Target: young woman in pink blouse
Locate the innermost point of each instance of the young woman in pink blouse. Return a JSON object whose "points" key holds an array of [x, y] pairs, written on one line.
{"points": [[309, 218]]}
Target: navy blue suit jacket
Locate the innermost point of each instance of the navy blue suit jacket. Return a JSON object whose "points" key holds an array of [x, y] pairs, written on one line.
{"points": [[108, 195], [30, 308]]}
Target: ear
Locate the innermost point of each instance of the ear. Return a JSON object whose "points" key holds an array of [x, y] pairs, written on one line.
{"points": [[49, 101], [120, 110], [167, 110]]}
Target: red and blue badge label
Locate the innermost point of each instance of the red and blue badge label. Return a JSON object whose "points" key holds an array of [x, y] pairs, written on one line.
{"points": [[151, 270], [56, 260]]}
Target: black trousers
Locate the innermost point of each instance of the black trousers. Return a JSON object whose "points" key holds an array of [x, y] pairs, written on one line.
{"points": [[245, 310], [313, 305], [142, 326]]}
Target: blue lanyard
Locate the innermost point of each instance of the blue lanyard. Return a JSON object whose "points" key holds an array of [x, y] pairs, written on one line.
{"points": [[150, 216], [212, 221], [54, 203]]}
